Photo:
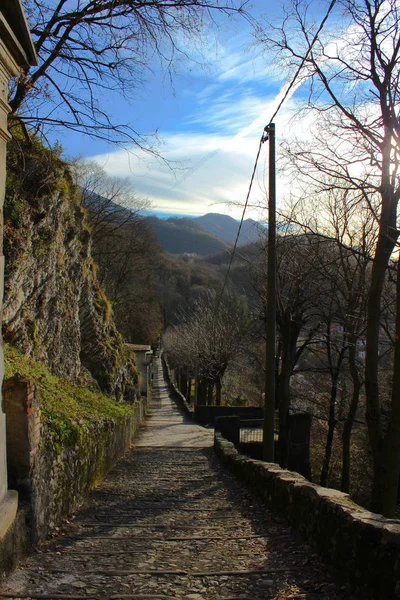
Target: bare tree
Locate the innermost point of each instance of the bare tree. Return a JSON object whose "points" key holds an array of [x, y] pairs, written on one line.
{"points": [[344, 236], [87, 47], [295, 315], [111, 202], [210, 336], [124, 249], [353, 77]]}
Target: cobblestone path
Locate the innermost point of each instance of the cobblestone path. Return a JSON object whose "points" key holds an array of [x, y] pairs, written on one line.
{"points": [[170, 523]]}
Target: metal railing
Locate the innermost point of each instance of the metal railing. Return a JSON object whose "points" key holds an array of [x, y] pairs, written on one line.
{"points": [[251, 430]]}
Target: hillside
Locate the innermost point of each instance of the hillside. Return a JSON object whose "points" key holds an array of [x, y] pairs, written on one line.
{"points": [[210, 234], [226, 228], [185, 236], [243, 255]]}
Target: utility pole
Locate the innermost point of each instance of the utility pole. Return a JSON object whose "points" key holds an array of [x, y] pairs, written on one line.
{"points": [[269, 405]]}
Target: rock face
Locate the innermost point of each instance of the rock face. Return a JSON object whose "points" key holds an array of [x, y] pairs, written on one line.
{"points": [[54, 308]]}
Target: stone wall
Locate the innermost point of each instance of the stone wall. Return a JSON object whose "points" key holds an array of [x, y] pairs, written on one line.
{"points": [[206, 415], [53, 476], [179, 397], [359, 543], [63, 476]]}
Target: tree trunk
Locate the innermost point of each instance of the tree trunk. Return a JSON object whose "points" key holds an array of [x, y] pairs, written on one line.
{"points": [[349, 422], [385, 484], [202, 391], [331, 430], [386, 241], [210, 390], [283, 405], [218, 391], [189, 390], [289, 333]]}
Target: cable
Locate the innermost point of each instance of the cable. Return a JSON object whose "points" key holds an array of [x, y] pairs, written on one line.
{"points": [[264, 137], [303, 60], [262, 140]]}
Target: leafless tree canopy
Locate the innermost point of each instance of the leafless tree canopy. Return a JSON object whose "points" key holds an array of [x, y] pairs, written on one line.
{"points": [[208, 339], [353, 75], [86, 47]]}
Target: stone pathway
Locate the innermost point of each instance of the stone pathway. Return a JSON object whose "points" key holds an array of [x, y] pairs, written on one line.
{"points": [[170, 523]]}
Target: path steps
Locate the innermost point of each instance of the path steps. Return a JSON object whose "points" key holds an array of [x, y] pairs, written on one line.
{"points": [[169, 523]]}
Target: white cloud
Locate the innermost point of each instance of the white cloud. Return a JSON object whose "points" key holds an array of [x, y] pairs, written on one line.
{"points": [[235, 67], [227, 111], [216, 173], [216, 145]]}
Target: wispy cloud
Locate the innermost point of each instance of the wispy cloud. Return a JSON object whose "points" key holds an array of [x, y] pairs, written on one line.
{"points": [[222, 180], [226, 111], [244, 68], [215, 141]]}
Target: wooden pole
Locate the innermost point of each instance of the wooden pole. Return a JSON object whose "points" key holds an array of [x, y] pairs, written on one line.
{"points": [[269, 406]]}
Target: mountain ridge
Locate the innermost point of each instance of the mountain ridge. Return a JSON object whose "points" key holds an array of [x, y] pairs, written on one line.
{"points": [[209, 234]]}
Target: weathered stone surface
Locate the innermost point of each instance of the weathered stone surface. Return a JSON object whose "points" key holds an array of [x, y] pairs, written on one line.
{"points": [[54, 475], [54, 309], [8, 511], [15, 544], [171, 522], [363, 545]]}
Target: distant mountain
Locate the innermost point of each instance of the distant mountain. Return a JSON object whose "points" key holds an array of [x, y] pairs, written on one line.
{"points": [[210, 234], [185, 236], [226, 228]]}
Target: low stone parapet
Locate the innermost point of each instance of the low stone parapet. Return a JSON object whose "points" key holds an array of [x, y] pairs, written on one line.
{"points": [[206, 415], [51, 476], [182, 402], [364, 546]]}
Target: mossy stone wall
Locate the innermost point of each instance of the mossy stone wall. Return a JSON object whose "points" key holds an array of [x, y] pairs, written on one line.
{"points": [[53, 475], [64, 475]]}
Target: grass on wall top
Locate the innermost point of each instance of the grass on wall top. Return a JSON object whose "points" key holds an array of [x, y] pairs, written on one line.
{"points": [[67, 408]]}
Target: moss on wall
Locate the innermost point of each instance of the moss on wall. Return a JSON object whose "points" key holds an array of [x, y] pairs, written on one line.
{"points": [[68, 409], [81, 434]]}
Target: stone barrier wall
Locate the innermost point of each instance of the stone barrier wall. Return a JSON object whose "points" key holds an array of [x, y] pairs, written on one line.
{"points": [[206, 415], [364, 546], [53, 477], [182, 402]]}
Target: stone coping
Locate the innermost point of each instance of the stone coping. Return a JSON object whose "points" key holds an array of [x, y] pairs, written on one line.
{"points": [[364, 546]]}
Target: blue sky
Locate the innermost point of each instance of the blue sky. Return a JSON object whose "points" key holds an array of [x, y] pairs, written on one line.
{"points": [[209, 122]]}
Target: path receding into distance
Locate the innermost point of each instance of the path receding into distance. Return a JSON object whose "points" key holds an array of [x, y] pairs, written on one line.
{"points": [[169, 522]]}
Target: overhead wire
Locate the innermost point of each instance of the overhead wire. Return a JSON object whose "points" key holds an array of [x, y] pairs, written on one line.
{"points": [[303, 60], [264, 138]]}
